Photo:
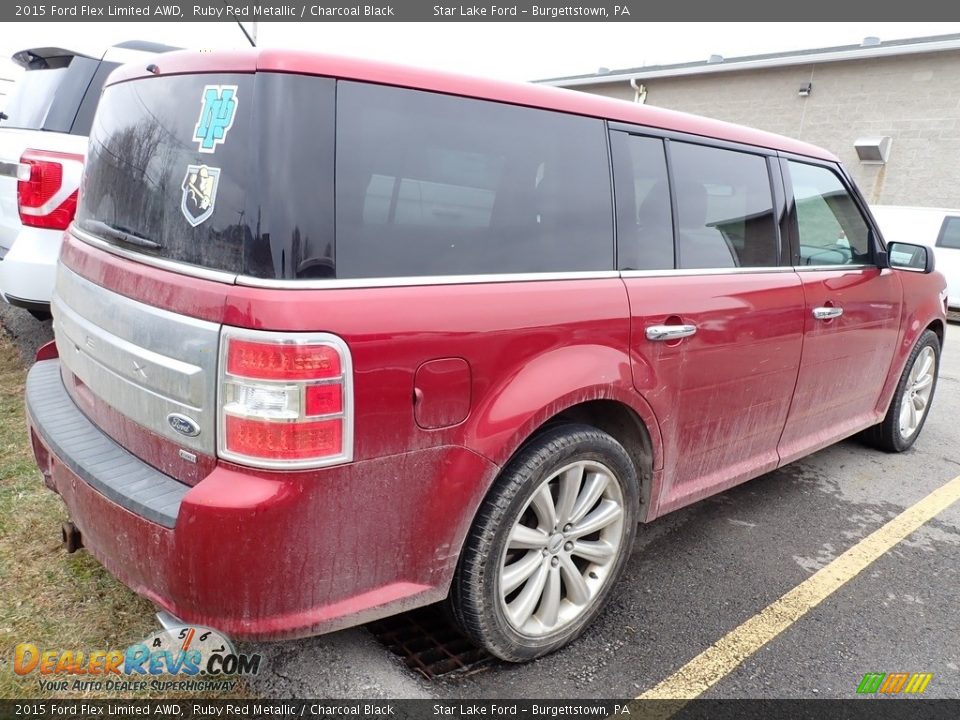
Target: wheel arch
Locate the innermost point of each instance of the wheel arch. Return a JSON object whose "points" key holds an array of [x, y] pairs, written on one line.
{"points": [[550, 390], [550, 386], [939, 329], [614, 417], [618, 420]]}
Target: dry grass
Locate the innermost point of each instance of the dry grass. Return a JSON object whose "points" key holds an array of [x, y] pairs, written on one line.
{"points": [[49, 598]]}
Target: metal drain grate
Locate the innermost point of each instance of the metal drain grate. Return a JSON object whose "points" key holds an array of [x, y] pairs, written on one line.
{"points": [[429, 644]]}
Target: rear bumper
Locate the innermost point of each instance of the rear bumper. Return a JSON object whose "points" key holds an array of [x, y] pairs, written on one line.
{"points": [[261, 555], [33, 306], [28, 269]]}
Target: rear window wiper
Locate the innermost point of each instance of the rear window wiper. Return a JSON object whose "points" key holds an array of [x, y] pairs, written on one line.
{"points": [[124, 236]]}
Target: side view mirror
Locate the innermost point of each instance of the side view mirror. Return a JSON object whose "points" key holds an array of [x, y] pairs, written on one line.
{"points": [[906, 256]]}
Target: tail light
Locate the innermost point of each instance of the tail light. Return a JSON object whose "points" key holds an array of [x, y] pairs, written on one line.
{"points": [[286, 399], [47, 188]]}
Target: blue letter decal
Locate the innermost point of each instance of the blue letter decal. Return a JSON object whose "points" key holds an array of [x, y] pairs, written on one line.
{"points": [[217, 110]]}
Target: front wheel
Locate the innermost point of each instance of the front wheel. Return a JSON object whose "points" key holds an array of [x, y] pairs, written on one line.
{"points": [[912, 398], [548, 544]]}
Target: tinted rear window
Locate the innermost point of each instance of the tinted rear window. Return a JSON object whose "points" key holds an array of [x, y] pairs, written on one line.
{"points": [[950, 233], [415, 183], [644, 214], [724, 208], [430, 184], [138, 173], [32, 97], [48, 98]]}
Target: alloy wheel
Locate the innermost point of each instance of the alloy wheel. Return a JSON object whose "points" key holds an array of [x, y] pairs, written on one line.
{"points": [[561, 549], [916, 397]]}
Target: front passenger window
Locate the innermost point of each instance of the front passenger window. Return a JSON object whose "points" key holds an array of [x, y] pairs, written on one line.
{"points": [[832, 230]]}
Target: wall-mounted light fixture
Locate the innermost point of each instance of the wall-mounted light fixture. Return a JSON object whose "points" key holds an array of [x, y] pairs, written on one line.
{"points": [[805, 90], [873, 150]]}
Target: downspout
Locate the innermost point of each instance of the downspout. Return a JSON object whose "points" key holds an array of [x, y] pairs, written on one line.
{"points": [[640, 91]]}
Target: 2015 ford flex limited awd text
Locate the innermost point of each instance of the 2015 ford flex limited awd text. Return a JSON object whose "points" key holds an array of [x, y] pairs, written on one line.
{"points": [[335, 339]]}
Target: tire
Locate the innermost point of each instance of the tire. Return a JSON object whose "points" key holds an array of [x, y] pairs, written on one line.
{"points": [[899, 430], [581, 475]]}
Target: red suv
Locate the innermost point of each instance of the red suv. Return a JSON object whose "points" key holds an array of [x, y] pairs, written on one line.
{"points": [[336, 339]]}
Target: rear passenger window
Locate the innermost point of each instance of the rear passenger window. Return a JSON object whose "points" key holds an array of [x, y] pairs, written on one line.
{"points": [[831, 229], [430, 184], [725, 215], [644, 217], [950, 233]]}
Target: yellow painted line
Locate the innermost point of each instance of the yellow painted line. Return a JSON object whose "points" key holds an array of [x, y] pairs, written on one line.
{"points": [[725, 655]]}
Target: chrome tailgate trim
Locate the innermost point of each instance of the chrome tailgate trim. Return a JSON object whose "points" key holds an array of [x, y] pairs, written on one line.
{"points": [[144, 362]]}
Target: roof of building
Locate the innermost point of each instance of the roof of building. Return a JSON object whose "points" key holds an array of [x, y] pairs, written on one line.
{"points": [[525, 94], [870, 48]]}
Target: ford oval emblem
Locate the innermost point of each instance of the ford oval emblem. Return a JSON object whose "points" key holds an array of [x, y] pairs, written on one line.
{"points": [[183, 425]]}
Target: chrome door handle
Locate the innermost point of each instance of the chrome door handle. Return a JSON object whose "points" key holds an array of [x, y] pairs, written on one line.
{"points": [[827, 313], [670, 332]]}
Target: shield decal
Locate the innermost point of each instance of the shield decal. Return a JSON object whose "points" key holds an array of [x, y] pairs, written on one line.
{"points": [[199, 193]]}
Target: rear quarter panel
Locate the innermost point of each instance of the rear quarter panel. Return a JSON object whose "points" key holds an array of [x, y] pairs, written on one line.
{"points": [[533, 348]]}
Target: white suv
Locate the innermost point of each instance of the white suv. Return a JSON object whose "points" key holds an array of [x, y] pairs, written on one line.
{"points": [[43, 142], [936, 228]]}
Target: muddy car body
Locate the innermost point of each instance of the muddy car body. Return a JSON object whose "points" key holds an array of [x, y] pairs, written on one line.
{"points": [[335, 339]]}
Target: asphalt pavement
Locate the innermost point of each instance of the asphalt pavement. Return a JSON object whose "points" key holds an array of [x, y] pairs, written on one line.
{"points": [[700, 572]]}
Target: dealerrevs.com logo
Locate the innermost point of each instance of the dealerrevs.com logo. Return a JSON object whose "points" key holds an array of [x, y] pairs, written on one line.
{"points": [[894, 683], [187, 658]]}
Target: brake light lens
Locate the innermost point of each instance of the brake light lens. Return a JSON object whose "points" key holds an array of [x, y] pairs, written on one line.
{"points": [[47, 188], [282, 362], [286, 399], [284, 441]]}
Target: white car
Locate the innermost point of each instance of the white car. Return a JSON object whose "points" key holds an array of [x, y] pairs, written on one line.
{"points": [[937, 228], [43, 142]]}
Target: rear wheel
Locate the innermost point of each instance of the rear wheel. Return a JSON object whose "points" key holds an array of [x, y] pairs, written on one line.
{"points": [[548, 544], [911, 400]]}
